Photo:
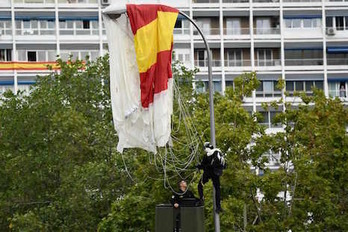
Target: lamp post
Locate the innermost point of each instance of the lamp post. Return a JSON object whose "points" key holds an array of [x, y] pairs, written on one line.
{"points": [[117, 11]]}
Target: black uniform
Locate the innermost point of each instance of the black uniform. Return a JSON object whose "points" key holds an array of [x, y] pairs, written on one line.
{"points": [[177, 198], [211, 170]]}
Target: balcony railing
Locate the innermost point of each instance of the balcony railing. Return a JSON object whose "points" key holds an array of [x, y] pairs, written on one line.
{"points": [[236, 31], [333, 61], [46, 31], [181, 31], [5, 32], [206, 1], [79, 31], [266, 1], [338, 93], [211, 31], [266, 31], [301, 1], [268, 94], [78, 1], [235, 1], [237, 63], [266, 63], [204, 63], [294, 62], [33, 1]]}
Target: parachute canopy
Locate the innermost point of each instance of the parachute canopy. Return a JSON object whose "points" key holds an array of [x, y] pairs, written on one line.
{"points": [[141, 82]]}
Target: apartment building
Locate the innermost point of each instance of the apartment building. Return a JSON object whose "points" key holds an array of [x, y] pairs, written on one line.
{"points": [[303, 42]]}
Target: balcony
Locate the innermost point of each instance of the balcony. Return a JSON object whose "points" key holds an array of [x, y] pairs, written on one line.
{"points": [[5, 32], [300, 1], [79, 32], [267, 31], [237, 63], [181, 31], [267, 63], [46, 31], [34, 1], [333, 61], [204, 63], [302, 62], [236, 31], [78, 1], [266, 1], [206, 31], [235, 1], [206, 1], [338, 93]]}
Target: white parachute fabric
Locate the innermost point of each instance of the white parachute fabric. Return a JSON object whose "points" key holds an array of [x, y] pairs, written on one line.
{"points": [[135, 125]]}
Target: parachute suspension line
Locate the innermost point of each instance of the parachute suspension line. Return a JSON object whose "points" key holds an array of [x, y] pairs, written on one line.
{"points": [[126, 169], [175, 161]]}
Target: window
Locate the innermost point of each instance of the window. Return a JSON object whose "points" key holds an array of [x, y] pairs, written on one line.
{"points": [[303, 23], [290, 87], [340, 23], [229, 84], [5, 27], [217, 86], [264, 57], [204, 24], [268, 88], [234, 57], [201, 58], [85, 24], [5, 55], [299, 86], [296, 23], [329, 21], [31, 56], [263, 26], [319, 84], [233, 26]]}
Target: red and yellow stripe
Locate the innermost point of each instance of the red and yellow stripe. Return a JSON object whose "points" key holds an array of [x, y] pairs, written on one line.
{"points": [[27, 65], [152, 26]]}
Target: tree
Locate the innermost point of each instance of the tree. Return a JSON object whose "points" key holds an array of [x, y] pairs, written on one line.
{"points": [[59, 168], [57, 147]]}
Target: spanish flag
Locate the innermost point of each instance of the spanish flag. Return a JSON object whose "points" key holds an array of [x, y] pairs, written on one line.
{"points": [[152, 26], [141, 83]]}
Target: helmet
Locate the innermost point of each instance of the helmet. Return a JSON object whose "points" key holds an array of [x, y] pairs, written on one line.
{"points": [[208, 145]]}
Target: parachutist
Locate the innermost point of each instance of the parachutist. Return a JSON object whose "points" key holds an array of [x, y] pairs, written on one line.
{"points": [[213, 164]]}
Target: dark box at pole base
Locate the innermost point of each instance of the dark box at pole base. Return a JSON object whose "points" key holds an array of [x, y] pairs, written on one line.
{"points": [[188, 219]]}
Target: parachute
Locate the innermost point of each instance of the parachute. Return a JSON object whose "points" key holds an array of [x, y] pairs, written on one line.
{"points": [[143, 91], [140, 75]]}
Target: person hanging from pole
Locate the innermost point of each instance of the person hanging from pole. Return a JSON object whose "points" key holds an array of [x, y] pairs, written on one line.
{"points": [[213, 164]]}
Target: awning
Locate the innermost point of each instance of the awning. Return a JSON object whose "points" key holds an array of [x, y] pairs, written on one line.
{"points": [[303, 17], [6, 83], [297, 49], [337, 50], [34, 17], [72, 18], [4, 17], [26, 82]]}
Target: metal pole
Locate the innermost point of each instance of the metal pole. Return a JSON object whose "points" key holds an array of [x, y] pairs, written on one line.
{"points": [[211, 107]]}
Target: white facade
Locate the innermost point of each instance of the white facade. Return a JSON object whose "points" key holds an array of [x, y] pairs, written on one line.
{"points": [[304, 42]]}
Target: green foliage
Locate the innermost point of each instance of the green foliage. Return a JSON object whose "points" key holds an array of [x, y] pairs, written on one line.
{"points": [[59, 169]]}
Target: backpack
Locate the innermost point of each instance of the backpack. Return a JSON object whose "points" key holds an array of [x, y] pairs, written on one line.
{"points": [[218, 162]]}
